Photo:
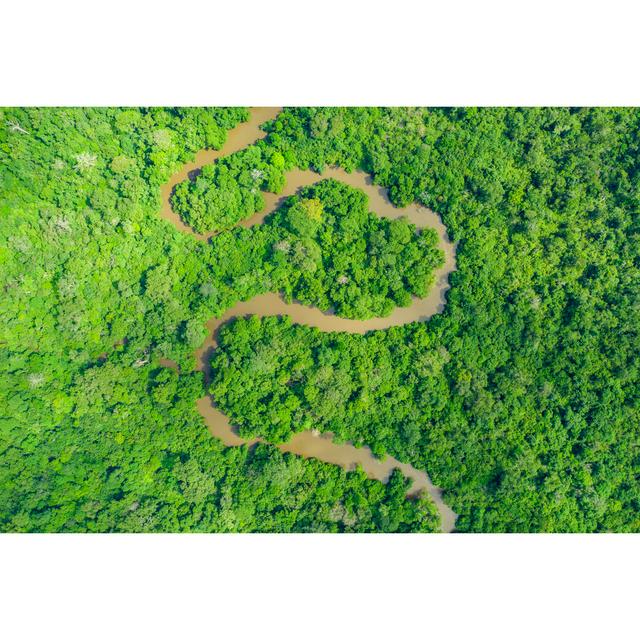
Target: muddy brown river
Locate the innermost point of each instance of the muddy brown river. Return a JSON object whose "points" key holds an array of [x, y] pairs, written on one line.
{"points": [[312, 444]]}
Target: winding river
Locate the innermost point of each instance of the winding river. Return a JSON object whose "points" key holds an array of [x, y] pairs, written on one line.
{"points": [[311, 443]]}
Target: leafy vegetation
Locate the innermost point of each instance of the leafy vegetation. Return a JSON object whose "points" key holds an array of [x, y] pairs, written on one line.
{"points": [[335, 254], [229, 190], [94, 436], [521, 399], [275, 378], [134, 456]]}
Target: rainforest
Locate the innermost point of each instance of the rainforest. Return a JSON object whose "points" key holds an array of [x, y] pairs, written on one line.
{"points": [[330, 319]]}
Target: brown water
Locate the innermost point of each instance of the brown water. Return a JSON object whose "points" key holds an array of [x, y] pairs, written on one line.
{"points": [[312, 444], [245, 134]]}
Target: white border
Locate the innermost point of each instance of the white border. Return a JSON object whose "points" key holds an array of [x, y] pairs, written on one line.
{"points": [[322, 586], [494, 52]]}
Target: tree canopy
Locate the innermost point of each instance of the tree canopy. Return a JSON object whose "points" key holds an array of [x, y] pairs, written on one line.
{"points": [[520, 399]]}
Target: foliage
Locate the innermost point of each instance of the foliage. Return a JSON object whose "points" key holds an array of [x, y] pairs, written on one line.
{"points": [[132, 455], [228, 190], [94, 436], [521, 399], [336, 255]]}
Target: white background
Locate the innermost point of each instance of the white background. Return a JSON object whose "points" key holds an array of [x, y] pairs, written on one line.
{"points": [[400, 52], [324, 52]]}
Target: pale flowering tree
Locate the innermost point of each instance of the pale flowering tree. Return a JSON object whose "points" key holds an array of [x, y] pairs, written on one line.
{"points": [[207, 289], [128, 227], [62, 224], [14, 126], [35, 379], [67, 286], [85, 160], [162, 138], [282, 245], [20, 243]]}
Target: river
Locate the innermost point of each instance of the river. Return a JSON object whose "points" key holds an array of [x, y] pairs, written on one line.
{"points": [[308, 443]]}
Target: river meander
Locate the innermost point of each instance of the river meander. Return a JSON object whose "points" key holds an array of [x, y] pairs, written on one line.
{"points": [[308, 443]]}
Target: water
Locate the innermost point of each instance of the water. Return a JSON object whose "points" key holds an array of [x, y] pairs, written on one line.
{"points": [[308, 443]]}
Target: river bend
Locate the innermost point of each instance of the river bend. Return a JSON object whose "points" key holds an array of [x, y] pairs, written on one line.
{"points": [[311, 443]]}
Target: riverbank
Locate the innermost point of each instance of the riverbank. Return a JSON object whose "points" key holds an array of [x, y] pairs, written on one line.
{"points": [[311, 444]]}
